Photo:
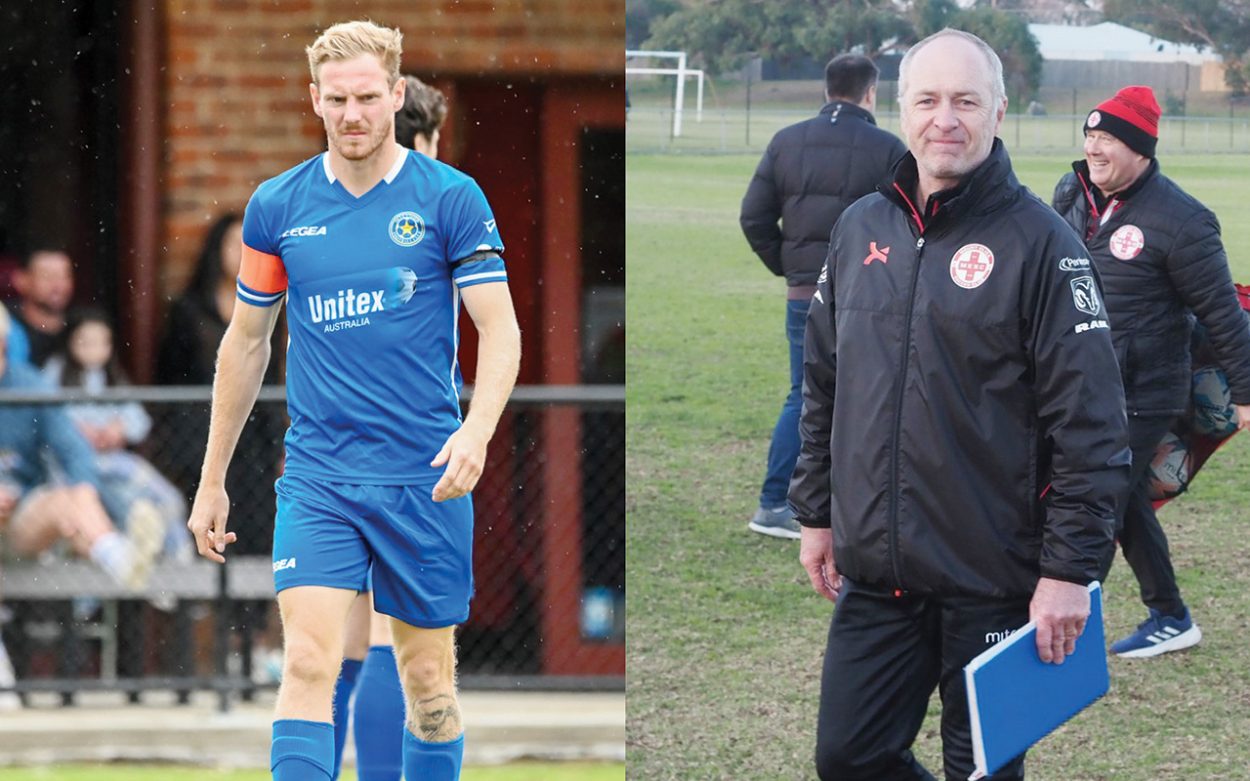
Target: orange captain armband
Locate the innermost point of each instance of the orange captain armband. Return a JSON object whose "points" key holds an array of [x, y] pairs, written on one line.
{"points": [[262, 278]]}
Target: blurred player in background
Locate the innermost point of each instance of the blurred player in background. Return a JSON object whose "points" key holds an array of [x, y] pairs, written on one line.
{"points": [[369, 671], [374, 246]]}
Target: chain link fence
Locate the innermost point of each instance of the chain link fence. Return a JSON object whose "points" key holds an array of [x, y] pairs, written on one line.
{"points": [[549, 561], [737, 121], [736, 131]]}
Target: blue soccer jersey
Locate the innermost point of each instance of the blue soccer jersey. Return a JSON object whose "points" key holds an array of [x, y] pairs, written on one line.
{"points": [[373, 296]]}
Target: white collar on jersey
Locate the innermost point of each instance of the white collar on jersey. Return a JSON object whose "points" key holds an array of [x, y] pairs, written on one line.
{"points": [[390, 175]]}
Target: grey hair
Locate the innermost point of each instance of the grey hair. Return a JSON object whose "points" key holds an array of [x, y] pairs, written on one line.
{"points": [[998, 88]]}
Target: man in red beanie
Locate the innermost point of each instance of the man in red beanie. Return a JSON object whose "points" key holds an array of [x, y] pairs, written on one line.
{"points": [[1160, 257]]}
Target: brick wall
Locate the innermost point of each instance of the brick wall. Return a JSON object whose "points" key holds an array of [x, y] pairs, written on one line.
{"points": [[236, 94]]}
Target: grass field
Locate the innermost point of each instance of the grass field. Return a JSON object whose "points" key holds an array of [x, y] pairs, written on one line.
{"points": [[520, 771], [725, 635]]}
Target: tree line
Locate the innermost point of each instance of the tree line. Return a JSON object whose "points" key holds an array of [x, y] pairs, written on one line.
{"points": [[721, 35]]}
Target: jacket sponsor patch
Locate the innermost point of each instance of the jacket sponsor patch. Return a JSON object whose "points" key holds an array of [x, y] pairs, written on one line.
{"points": [[972, 265], [1073, 264], [1127, 242], [1085, 295]]}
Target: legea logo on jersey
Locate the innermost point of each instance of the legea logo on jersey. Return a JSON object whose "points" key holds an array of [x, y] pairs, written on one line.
{"points": [[407, 229], [304, 230], [351, 307]]}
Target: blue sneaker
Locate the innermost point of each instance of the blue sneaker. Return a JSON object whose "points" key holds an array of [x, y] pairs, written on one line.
{"points": [[1158, 634], [775, 523]]}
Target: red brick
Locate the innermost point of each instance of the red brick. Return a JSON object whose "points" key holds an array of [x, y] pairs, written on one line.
{"points": [[236, 78]]}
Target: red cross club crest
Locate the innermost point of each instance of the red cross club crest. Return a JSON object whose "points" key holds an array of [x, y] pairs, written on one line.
{"points": [[1127, 242], [971, 265]]}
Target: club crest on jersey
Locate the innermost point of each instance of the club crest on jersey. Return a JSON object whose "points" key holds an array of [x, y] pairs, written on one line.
{"points": [[972, 265], [1085, 295], [407, 229], [1127, 242]]}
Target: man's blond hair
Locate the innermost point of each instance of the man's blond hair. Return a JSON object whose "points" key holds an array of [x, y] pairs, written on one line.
{"points": [[348, 40]]}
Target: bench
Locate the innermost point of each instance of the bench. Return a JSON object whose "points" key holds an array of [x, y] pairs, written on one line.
{"points": [[58, 583]]}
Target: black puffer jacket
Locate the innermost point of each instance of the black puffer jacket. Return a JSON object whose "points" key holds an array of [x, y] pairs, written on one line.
{"points": [[963, 426], [1160, 257], [810, 173]]}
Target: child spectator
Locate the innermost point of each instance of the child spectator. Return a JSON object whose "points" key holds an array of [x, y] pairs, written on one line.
{"points": [[85, 359], [49, 488]]}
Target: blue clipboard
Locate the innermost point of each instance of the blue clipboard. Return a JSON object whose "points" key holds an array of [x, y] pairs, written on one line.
{"points": [[1015, 699]]}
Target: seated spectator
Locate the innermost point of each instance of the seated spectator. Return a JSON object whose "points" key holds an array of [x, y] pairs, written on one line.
{"points": [[85, 359], [45, 286], [40, 507], [187, 356]]}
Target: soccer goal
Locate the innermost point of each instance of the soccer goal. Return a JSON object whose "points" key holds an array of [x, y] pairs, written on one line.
{"points": [[681, 72]]}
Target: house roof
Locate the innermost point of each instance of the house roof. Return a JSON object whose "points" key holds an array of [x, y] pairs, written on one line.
{"points": [[1111, 41]]}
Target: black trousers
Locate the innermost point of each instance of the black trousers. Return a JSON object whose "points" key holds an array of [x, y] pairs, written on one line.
{"points": [[1141, 536], [886, 654]]}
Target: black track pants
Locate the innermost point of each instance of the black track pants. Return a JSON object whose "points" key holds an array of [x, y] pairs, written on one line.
{"points": [[885, 656], [1141, 536]]}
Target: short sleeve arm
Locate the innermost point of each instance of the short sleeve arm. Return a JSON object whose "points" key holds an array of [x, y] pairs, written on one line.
{"points": [[474, 247], [262, 275]]}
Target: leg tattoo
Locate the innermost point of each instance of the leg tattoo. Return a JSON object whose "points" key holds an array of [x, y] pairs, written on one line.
{"points": [[438, 719]]}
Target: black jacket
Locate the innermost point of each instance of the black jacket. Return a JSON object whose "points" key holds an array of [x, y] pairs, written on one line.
{"points": [[1180, 266], [977, 437], [810, 173]]}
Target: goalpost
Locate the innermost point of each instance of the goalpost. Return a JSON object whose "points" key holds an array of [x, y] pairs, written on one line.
{"points": [[681, 72]]}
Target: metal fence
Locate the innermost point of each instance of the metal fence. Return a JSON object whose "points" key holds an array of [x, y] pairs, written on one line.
{"points": [[549, 561], [738, 131]]}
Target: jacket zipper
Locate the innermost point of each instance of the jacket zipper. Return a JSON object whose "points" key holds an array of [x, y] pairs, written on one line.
{"points": [[898, 420]]}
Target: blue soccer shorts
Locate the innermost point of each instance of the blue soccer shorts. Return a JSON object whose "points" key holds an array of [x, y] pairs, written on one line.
{"points": [[419, 552]]}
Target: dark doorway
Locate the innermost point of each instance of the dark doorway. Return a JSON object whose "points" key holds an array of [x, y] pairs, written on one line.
{"points": [[603, 362], [59, 139]]}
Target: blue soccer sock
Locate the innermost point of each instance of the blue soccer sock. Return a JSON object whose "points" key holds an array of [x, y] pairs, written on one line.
{"points": [[380, 715], [302, 750], [432, 761], [343, 689]]}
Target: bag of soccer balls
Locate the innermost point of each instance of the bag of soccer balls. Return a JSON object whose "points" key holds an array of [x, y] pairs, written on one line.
{"points": [[1212, 421]]}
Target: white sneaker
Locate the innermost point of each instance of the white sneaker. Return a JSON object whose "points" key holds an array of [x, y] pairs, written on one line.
{"points": [[145, 529]]}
